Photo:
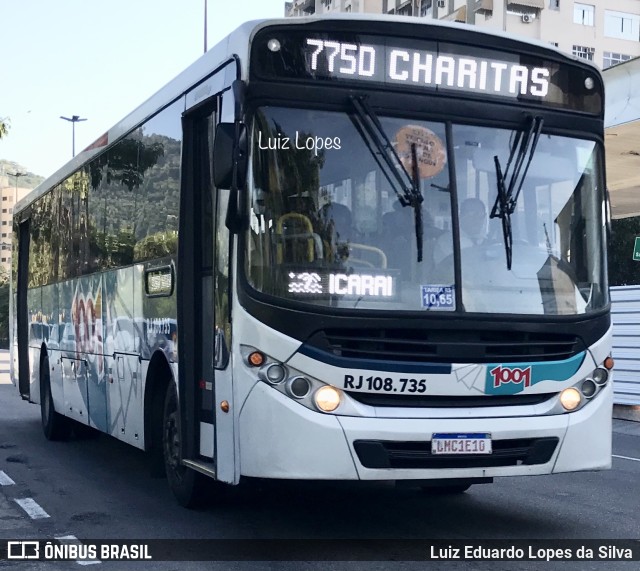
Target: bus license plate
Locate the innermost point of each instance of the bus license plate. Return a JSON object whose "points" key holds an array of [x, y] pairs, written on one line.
{"points": [[476, 443]]}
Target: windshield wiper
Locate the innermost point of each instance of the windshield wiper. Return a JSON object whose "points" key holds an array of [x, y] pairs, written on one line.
{"points": [[405, 185], [501, 211], [522, 149]]}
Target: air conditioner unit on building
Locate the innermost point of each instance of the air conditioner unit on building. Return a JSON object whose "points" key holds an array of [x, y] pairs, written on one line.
{"points": [[442, 3], [527, 18]]}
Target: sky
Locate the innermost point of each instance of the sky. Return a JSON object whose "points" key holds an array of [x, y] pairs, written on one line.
{"points": [[98, 60]]}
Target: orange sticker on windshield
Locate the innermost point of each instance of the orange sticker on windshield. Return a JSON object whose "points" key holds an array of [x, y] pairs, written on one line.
{"points": [[431, 154]]}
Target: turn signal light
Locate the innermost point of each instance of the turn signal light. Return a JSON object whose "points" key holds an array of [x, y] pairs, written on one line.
{"points": [[256, 359], [608, 363]]}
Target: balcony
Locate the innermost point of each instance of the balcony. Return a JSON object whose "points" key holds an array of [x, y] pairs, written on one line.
{"points": [[306, 6], [519, 4], [403, 8], [459, 15], [484, 7]]}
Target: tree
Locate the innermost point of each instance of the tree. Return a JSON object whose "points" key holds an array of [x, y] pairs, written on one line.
{"points": [[4, 127]]}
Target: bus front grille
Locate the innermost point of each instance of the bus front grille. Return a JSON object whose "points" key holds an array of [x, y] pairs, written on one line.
{"points": [[381, 454], [446, 346]]}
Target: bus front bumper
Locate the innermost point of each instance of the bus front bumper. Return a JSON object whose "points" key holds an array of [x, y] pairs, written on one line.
{"points": [[279, 438]]}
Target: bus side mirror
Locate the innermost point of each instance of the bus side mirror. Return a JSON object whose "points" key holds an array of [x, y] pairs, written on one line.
{"points": [[230, 156]]}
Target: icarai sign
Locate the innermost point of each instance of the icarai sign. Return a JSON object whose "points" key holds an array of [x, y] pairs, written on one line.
{"points": [[342, 284]]}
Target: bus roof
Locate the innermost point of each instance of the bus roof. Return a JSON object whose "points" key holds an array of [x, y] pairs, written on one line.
{"points": [[238, 43]]}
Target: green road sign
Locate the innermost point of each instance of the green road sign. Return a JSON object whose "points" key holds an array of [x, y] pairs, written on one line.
{"points": [[636, 250]]}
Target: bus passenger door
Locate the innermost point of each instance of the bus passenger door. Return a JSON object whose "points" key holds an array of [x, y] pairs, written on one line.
{"points": [[207, 432], [22, 309]]}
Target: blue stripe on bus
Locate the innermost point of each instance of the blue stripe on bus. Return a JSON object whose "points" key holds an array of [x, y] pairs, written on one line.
{"points": [[512, 378], [373, 365]]}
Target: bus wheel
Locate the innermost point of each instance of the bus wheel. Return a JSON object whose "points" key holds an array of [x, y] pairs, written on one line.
{"points": [[54, 425], [187, 485], [446, 490]]}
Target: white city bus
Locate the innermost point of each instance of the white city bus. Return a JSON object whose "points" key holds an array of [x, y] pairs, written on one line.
{"points": [[346, 248]]}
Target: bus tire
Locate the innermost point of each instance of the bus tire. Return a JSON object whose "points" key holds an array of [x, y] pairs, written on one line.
{"points": [[449, 490], [54, 425], [187, 485], [155, 452]]}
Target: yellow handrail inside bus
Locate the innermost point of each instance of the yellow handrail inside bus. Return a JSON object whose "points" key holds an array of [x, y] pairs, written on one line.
{"points": [[373, 249]]}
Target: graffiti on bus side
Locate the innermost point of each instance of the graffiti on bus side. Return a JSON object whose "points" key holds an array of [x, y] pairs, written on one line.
{"points": [[86, 318]]}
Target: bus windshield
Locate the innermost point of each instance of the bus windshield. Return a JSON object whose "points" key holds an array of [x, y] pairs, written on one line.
{"points": [[329, 226]]}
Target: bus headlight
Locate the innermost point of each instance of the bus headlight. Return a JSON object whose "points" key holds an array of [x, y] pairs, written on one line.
{"points": [[299, 387], [600, 376], [327, 398], [584, 390], [570, 398], [588, 388], [274, 373]]}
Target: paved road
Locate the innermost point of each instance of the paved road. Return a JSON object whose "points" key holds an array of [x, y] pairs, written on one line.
{"points": [[102, 489]]}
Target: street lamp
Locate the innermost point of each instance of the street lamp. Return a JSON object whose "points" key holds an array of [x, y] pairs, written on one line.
{"points": [[205, 26], [17, 175], [73, 119]]}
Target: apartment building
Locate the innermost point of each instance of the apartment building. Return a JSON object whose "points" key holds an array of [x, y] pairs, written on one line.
{"points": [[606, 32], [309, 7], [10, 192]]}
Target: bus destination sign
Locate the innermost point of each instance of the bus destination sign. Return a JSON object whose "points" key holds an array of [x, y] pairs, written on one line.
{"points": [[426, 65], [423, 67]]}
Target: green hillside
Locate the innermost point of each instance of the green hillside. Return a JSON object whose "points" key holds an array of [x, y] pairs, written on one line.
{"points": [[29, 180]]}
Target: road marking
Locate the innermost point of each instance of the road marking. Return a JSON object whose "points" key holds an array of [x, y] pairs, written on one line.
{"points": [[34, 511], [5, 480], [5, 377], [626, 458], [73, 540]]}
